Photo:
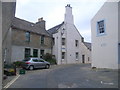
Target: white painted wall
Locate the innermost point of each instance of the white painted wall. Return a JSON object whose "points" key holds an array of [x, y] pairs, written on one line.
{"points": [[105, 48], [85, 51], [70, 34]]}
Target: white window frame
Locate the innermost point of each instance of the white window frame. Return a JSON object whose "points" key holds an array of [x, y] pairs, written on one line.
{"points": [[63, 53], [101, 25], [77, 55]]}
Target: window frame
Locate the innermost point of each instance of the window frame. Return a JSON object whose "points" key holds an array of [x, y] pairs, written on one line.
{"points": [[27, 55], [63, 41], [42, 53], [77, 55], [76, 43], [27, 36], [63, 53], [98, 28], [35, 52], [42, 39]]}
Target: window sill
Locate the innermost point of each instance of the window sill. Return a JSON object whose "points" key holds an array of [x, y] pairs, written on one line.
{"points": [[103, 34]]}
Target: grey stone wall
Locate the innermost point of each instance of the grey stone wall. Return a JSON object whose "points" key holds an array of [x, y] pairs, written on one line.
{"points": [[19, 39], [0, 45], [119, 34], [8, 12]]}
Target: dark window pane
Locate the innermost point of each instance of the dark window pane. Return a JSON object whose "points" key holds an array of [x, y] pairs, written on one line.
{"points": [[42, 39], [35, 60], [41, 61], [63, 41], [41, 53], [63, 55], [27, 36], [27, 52], [76, 55], [76, 43], [35, 52], [101, 27]]}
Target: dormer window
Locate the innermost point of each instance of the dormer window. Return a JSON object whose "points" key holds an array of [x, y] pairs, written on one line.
{"points": [[32, 25]]}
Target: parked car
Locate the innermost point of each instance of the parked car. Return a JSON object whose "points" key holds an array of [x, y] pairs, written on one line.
{"points": [[32, 63]]}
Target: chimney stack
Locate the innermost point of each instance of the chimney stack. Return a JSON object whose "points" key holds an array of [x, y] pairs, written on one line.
{"points": [[41, 23], [68, 15], [40, 19]]}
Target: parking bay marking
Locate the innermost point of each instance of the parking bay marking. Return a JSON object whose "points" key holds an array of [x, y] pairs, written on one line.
{"points": [[11, 82]]}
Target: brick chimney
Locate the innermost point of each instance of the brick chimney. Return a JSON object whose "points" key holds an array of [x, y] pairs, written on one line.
{"points": [[41, 23]]}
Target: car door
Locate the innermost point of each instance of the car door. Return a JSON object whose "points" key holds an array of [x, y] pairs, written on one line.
{"points": [[35, 63], [41, 63]]}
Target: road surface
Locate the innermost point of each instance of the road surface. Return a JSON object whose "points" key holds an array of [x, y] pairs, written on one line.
{"points": [[68, 76]]}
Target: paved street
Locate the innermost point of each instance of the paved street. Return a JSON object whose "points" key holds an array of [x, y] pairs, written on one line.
{"points": [[68, 76]]}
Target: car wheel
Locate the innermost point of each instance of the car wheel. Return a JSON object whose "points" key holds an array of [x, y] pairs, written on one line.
{"points": [[47, 66], [31, 67]]}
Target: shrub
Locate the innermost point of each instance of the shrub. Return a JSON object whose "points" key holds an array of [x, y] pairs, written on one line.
{"points": [[18, 63], [49, 57], [9, 66]]}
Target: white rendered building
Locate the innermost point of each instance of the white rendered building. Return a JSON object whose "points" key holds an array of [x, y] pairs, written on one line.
{"points": [[106, 36], [69, 46]]}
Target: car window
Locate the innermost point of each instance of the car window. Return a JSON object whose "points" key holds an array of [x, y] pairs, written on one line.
{"points": [[41, 61], [27, 59], [35, 60]]}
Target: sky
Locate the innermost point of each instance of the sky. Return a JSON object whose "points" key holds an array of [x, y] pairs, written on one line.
{"points": [[53, 12]]}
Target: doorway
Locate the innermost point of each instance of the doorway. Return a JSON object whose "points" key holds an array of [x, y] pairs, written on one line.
{"points": [[83, 58]]}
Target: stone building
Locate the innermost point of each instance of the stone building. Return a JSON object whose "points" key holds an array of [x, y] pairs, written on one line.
{"points": [[27, 39], [69, 46], [7, 13]]}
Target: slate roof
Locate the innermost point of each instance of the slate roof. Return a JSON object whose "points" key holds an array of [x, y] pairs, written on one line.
{"points": [[28, 26], [54, 29], [88, 45]]}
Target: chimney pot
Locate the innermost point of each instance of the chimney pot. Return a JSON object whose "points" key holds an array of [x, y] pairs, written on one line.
{"points": [[40, 19]]}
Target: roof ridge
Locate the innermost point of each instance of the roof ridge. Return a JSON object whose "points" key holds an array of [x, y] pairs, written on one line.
{"points": [[26, 25], [86, 44], [56, 25], [55, 28], [24, 20]]}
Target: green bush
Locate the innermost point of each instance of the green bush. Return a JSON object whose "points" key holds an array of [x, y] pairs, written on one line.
{"points": [[18, 63], [49, 57], [8, 66]]}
